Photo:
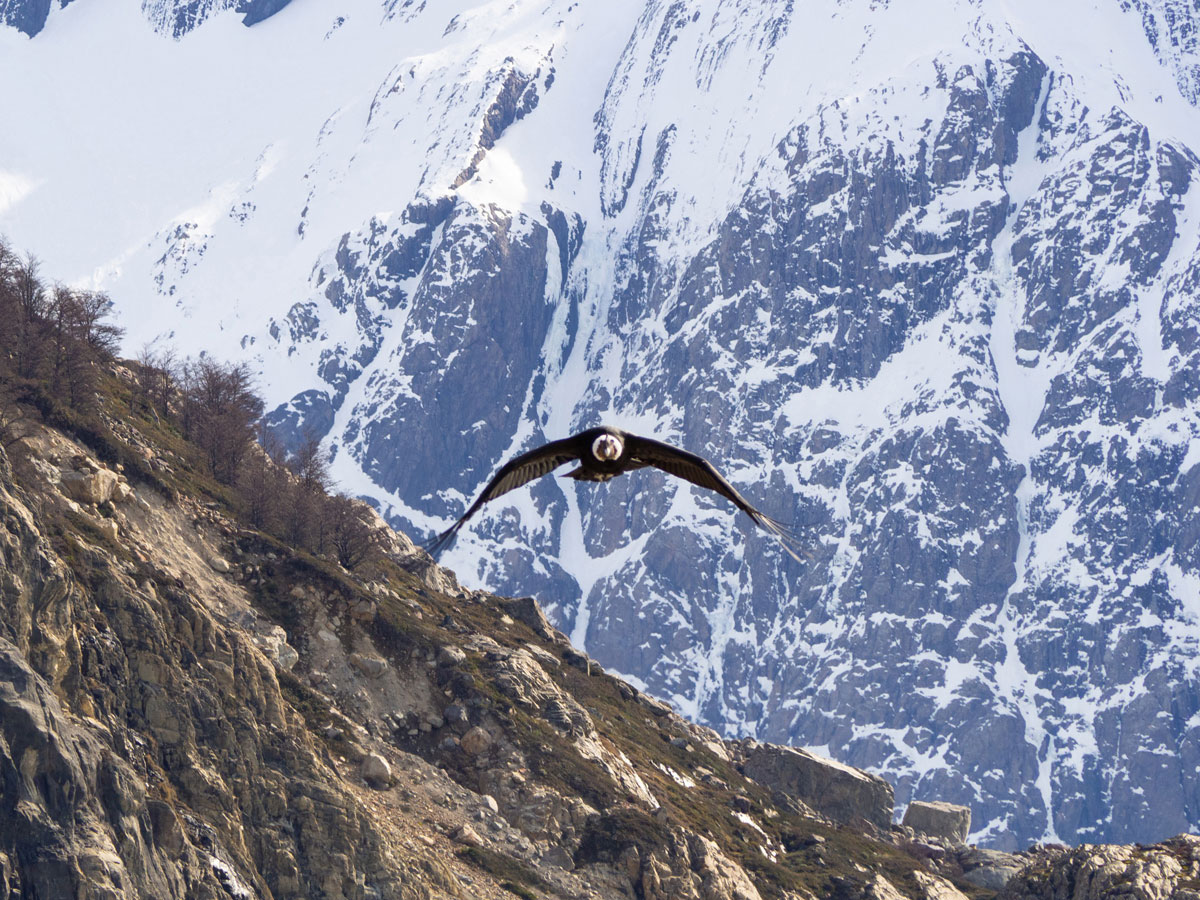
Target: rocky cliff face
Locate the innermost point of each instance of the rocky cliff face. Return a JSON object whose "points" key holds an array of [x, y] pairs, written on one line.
{"points": [[925, 290], [190, 709]]}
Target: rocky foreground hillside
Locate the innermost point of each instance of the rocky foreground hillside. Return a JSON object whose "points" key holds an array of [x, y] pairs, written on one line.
{"points": [[920, 278], [190, 708]]}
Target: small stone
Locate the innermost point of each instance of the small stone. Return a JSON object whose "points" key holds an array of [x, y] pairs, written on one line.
{"points": [[465, 834], [476, 741], [219, 565], [363, 611], [371, 666], [108, 528], [490, 802], [375, 771], [451, 656], [455, 714]]}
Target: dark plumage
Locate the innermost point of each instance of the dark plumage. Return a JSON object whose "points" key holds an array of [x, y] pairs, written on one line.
{"points": [[603, 454]]}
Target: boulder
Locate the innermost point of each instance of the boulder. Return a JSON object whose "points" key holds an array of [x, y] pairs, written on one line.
{"points": [[273, 642], [465, 834], [989, 869], [93, 488], [450, 655], [476, 741], [944, 821], [840, 792], [371, 666], [375, 771], [526, 610]]}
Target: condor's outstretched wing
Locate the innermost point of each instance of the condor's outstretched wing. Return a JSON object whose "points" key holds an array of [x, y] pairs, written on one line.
{"points": [[517, 471], [699, 471]]}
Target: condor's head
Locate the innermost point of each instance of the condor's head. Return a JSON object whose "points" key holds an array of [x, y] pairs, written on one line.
{"points": [[607, 447]]}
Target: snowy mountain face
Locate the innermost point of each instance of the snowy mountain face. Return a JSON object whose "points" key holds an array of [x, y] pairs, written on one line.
{"points": [[173, 18], [920, 278]]}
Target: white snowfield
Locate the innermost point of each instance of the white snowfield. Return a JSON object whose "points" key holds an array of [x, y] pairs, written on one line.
{"points": [[218, 184]]}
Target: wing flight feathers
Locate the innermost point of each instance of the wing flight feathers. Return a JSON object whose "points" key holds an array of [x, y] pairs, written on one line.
{"points": [[639, 452], [518, 471], [700, 472]]}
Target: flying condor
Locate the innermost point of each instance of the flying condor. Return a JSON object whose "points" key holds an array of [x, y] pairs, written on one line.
{"points": [[603, 454]]}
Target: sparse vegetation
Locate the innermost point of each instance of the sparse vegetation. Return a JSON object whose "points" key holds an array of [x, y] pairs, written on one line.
{"points": [[58, 361]]}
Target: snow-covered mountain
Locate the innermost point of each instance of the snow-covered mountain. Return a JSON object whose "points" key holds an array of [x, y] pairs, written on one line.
{"points": [[921, 277]]}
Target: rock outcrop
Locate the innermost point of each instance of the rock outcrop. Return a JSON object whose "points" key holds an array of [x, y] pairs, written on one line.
{"points": [[842, 793], [1166, 871], [943, 821]]}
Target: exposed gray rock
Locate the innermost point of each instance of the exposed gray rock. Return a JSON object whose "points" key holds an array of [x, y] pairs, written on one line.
{"points": [[527, 610], [1107, 872], [371, 666], [842, 793], [990, 869], [945, 821]]}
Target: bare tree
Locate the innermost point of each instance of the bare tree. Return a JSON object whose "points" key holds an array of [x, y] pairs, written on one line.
{"points": [[156, 385], [10, 311], [264, 482], [78, 337], [303, 523], [351, 533], [219, 411], [30, 303]]}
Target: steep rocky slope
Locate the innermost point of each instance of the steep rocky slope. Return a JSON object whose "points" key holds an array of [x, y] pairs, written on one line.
{"points": [[921, 278], [189, 708]]}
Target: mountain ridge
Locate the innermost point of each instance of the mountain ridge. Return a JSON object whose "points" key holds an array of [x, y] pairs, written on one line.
{"points": [[960, 256]]}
